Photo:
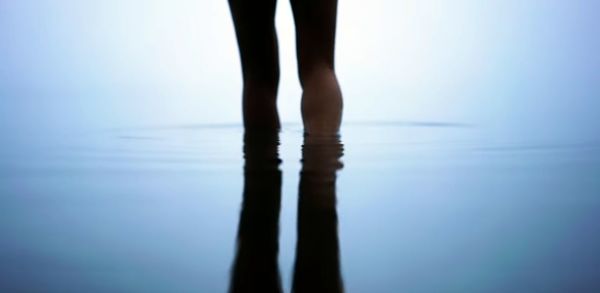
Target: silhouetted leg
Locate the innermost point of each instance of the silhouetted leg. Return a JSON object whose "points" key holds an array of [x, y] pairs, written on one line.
{"points": [[315, 40], [254, 22], [317, 267], [255, 266]]}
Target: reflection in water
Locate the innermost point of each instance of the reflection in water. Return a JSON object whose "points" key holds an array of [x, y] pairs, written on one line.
{"points": [[317, 267], [255, 268]]}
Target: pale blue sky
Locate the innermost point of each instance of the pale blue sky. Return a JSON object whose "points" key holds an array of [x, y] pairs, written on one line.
{"points": [[513, 67]]}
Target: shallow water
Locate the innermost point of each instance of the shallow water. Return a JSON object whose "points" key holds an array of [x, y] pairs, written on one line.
{"points": [[418, 207]]}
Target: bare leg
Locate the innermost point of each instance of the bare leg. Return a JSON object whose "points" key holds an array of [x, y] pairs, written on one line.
{"points": [[315, 38], [254, 22]]}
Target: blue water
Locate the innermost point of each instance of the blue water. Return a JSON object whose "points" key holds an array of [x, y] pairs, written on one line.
{"points": [[417, 207]]}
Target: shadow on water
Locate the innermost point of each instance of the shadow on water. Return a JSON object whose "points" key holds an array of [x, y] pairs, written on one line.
{"points": [[317, 266]]}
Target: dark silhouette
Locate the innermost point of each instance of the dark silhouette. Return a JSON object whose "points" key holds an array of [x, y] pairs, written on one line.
{"points": [[317, 266], [315, 21], [255, 268]]}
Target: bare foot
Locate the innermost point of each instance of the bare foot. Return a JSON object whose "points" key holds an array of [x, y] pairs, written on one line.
{"points": [[322, 104]]}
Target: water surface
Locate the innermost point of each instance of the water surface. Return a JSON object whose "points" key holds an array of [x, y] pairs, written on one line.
{"points": [[389, 207]]}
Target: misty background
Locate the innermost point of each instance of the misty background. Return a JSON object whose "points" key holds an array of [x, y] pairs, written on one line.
{"points": [[511, 68]]}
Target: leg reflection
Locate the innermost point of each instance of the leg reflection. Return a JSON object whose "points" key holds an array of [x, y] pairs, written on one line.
{"points": [[317, 267], [255, 267]]}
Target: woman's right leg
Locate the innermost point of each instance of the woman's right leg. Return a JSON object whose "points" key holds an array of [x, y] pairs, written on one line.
{"points": [[315, 43], [254, 22]]}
